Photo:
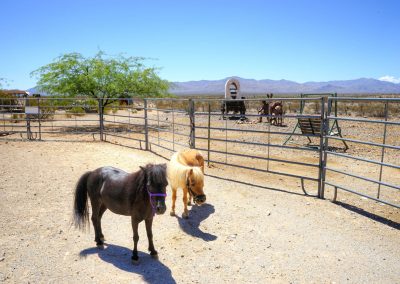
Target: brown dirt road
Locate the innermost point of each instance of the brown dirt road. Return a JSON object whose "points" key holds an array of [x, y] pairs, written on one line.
{"points": [[245, 234]]}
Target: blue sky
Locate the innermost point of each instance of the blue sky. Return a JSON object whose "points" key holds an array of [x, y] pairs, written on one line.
{"points": [[296, 40]]}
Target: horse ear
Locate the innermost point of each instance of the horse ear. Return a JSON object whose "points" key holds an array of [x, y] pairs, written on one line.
{"points": [[143, 168]]}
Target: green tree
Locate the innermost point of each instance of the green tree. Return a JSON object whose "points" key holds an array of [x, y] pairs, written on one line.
{"points": [[100, 77], [3, 81]]}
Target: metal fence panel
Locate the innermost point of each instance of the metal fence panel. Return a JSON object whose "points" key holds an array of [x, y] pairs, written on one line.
{"points": [[373, 162], [49, 118], [252, 141], [363, 151]]}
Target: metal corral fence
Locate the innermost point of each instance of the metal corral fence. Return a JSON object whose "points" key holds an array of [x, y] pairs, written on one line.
{"points": [[258, 146], [375, 146], [125, 123], [48, 118], [233, 141], [308, 144], [73, 119]]}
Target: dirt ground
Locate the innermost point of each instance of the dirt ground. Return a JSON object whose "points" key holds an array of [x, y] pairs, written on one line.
{"points": [[244, 234]]}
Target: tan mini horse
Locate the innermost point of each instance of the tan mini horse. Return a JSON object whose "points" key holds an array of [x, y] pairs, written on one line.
{"points": [[186, 170]]}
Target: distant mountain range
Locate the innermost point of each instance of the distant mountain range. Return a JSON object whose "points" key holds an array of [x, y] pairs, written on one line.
{"points": [[251, 86], [35, 90]]}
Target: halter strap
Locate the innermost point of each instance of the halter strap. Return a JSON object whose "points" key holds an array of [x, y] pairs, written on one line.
{"points": [[190, 188], [153, 208], [151, 195]]}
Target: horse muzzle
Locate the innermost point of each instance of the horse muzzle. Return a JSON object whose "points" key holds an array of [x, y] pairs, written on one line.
{"points": [[199, 199], [160, 208]]}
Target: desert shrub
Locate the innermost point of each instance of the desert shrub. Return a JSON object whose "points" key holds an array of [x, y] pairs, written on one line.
{"points": [[394, 109], [111, 108], [90, 106], [75, 111], [7, 100], [377, 110], [291, 106], [17, 117]]}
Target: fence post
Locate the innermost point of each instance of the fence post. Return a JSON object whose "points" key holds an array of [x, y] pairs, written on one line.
{"points": [[327, 113], [146, 128], [383, 149], [101, 118], [192, 140], [28, 120], [323, 128], [39, 119], [173, 125], [209, 134]]}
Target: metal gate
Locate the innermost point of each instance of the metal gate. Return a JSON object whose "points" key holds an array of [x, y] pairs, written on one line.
{"points": [[376, 148]]}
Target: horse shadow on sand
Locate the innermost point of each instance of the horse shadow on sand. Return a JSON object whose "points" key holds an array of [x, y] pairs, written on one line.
{"points": [[151, 270], [197, 214]]}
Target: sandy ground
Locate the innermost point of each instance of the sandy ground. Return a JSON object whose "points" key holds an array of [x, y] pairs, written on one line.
{"points": [[244, 234]]}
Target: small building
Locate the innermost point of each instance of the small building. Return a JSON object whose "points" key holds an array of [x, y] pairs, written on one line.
{"points": [[16, 93], [13, 100]]}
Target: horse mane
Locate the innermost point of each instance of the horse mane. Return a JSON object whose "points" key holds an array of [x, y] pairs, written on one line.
{"points": [[157, 173], [137, 182], [177, 172]]}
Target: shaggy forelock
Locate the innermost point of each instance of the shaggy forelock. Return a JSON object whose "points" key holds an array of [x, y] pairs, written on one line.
{"points": [[157, 173]]}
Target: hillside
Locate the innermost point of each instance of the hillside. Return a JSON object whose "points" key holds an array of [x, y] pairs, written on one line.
{"points": [[251, 86]]}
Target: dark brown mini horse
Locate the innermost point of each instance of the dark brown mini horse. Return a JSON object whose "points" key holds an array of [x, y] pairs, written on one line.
{"points": [[140, 195]]}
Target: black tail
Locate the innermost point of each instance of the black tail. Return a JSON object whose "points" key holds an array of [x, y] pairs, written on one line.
{"points": [[81, 213]]}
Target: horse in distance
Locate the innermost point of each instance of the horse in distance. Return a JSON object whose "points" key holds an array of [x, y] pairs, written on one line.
{"points": [[276, 112]]}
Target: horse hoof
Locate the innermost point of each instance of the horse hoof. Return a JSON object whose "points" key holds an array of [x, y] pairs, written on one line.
{"points": [[154, 256], [135, 261], [189, 203], [185, 216], [102, 239], [100, 246], [172, 213]]}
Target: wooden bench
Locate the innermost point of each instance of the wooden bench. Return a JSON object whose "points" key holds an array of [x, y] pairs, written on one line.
{"points": [[310, 126]]}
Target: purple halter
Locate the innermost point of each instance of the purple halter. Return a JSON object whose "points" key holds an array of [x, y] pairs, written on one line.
{"points": [[151, 195]]}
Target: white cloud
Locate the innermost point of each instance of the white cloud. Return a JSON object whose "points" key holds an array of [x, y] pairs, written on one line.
{"points": [[390, 79]]}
